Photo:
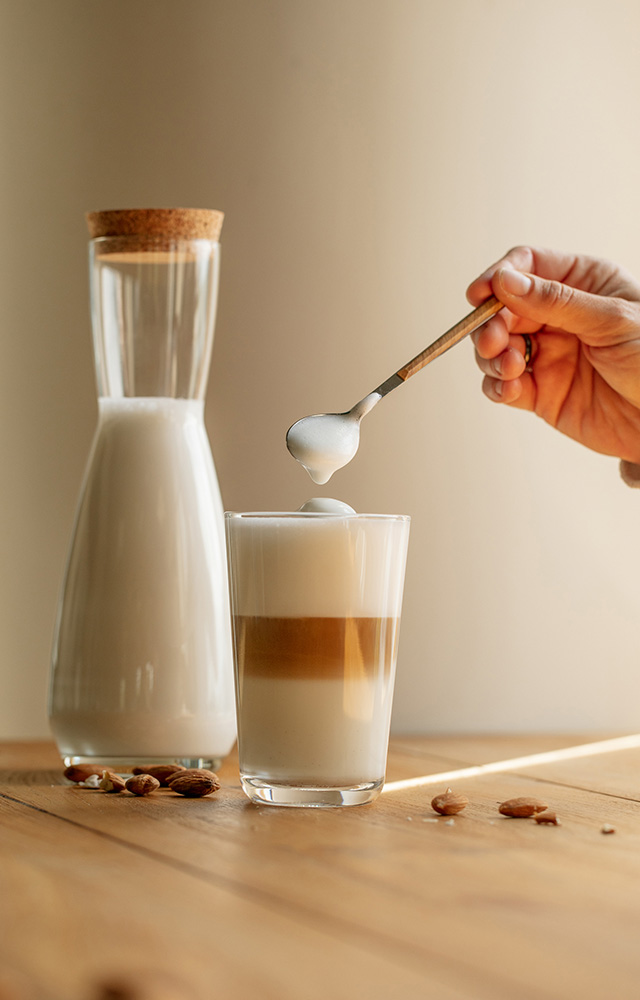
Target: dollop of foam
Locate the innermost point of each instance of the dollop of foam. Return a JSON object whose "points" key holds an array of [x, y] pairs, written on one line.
{"points": [[325, 505]]}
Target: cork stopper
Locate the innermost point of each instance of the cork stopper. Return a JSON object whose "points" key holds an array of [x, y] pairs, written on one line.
{"points": [[155, 228]]}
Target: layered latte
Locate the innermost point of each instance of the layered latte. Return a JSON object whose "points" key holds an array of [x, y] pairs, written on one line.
{"points": [[316, 609]]}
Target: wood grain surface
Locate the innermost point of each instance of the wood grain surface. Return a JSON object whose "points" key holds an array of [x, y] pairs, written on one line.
{"points": [[111, 897]]}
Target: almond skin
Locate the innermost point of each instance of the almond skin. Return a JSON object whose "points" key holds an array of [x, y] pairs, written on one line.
{"points": [[548, 816], [142, 784], [160, 771], [522, 807], [195, 785], [80, 772], [112, 782], [449, 803], [190, 770]]}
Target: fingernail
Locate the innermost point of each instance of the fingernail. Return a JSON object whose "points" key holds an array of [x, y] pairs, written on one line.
{"points": [[514, 282], [497, 365], [497, 387]]}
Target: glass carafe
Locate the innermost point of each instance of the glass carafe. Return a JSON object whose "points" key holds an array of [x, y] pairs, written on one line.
{"points": [[142, 663]]}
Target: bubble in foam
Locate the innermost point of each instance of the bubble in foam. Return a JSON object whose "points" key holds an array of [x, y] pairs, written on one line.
{"points": [[325, 505]]}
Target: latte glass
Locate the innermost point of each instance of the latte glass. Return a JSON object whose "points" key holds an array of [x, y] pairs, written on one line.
{"points": [[315, 602]]}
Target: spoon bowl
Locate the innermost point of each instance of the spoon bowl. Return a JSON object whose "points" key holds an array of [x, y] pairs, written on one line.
{"points": [[326, 442]]}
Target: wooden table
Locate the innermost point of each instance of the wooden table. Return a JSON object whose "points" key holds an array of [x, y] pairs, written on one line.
{"points": [[166, 898]]}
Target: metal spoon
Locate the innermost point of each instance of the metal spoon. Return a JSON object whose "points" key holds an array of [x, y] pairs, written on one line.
{"points": [[325, 442]]}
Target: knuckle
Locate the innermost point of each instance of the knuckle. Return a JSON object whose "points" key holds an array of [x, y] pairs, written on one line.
{"points": [[557, 295], [624, 314]]}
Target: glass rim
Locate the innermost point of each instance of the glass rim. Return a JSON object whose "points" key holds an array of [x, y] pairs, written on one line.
{"points": [[107, 251], [312, 514], [153, 240]]}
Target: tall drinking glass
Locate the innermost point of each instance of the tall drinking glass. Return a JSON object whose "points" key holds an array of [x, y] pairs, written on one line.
{"points": [[316, 602]]}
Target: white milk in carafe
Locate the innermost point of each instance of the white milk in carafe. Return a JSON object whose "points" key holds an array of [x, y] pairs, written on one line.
{"points": [[144, 616]]}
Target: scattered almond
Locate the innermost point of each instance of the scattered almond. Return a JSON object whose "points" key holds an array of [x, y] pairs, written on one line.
{"points": [[195, 785], [449, 803], [112, 782], [522, 807], [548, 816], [80, 772], [607, 828], [142, 784], [160, 771]]}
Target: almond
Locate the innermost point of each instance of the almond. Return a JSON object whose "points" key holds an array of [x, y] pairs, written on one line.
{"points": [[160, 771], [142, 784], [522, 807], [449, 803], [80, 772], [195, 785], [112, 782], [548, 816]]}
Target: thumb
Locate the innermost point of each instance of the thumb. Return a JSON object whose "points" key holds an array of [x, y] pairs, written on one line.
{"points": [[596, 319]]}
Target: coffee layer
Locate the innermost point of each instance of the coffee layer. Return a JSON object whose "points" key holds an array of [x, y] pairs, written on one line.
{"points": [[315, 648]]}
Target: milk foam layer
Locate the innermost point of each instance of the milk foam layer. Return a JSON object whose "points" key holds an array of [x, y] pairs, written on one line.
{"points": [[318, 565], [142, 653]]}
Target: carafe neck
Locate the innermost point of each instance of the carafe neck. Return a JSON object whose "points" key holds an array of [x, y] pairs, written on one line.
{"points": [[153, 307]]}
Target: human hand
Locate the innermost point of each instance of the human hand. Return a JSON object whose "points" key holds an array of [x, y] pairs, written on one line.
{"points": [[582, 316]]}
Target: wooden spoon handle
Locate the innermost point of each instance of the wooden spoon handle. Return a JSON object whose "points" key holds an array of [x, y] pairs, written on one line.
{"points": [[451, 337]]}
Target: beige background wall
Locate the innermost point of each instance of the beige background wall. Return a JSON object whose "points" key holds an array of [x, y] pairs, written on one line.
{"points": [[372, 156]]}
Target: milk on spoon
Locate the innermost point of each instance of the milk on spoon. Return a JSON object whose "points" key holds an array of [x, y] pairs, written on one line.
{"points": [[325, 442]]}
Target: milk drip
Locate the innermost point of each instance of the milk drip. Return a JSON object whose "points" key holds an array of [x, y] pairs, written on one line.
{"points": [[142, 663]]}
